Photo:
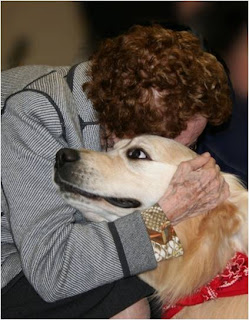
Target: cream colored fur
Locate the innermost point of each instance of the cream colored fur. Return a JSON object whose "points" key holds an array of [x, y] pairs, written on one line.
{"points": [[209, 240]]}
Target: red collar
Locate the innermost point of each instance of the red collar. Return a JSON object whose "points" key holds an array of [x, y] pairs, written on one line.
{"points": [[231, 282]]}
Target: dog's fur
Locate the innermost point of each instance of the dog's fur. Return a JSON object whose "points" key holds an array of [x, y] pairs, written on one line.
{"points": [[209, 240]]}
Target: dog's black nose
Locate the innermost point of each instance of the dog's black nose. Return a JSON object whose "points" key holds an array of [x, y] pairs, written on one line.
{"points": [[66, 155]]}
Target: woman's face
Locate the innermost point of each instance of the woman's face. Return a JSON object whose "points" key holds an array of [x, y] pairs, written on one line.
{"points": [[194, 129]]}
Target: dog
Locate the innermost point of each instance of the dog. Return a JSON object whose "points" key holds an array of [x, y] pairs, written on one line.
{"points": [[134, 176]]}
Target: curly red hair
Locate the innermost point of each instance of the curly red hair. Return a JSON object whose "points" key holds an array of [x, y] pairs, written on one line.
{"points": [[153, 80]]}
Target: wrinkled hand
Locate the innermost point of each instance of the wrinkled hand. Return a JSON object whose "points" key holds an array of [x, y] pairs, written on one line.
{"points": [[196, 187]]}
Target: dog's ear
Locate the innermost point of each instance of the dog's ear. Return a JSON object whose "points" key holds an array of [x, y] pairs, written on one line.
{"points": [[230, 219], [228, 223]]}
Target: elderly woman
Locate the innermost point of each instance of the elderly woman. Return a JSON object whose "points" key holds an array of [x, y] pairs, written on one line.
{"points": [[56, 263]]}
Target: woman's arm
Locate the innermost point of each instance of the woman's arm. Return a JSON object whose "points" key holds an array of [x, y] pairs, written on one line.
{"points": [[61, 255]]}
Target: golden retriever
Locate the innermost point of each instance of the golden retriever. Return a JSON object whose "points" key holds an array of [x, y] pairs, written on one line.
{"points": [[134, 176]]}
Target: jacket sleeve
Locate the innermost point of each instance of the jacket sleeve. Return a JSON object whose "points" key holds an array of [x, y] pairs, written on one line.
{"points": [[61, 254]]}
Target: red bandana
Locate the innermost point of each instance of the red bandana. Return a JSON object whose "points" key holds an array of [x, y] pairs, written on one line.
{"points": [[233, 281]]}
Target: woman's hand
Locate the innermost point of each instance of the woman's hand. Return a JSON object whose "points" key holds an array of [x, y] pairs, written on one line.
{"points": [[196, 187]]}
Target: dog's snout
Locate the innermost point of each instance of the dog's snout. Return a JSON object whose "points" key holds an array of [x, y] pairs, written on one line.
{"points": [[66, 155]]}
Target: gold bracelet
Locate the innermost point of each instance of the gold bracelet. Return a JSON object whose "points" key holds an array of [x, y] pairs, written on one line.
{"points": [[163, 238]]}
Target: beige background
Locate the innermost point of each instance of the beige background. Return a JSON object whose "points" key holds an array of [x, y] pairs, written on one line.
{"points": [[43, 32]]}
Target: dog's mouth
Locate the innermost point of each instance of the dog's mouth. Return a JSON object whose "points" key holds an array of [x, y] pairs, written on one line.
{"points": [[117, 202]]}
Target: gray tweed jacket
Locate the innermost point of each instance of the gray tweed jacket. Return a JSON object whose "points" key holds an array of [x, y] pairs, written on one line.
{"points": [[59, 251]]}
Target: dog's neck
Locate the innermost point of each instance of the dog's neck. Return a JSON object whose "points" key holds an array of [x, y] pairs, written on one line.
{"points": [[207, 248], [231, 282]]}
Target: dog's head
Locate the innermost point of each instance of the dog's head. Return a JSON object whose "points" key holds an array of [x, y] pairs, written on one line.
{"points": [[133, 176]]}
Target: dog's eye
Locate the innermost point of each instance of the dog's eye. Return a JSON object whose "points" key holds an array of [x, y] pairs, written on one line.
{"points": [[137, 153]]}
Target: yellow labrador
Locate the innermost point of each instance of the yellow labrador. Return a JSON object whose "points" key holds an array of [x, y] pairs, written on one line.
{"points": [[134, 176]]}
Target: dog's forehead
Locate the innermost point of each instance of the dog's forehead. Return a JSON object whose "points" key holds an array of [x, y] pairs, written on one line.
{"points": [[150, 140], [122, 143], [146, 140]]}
